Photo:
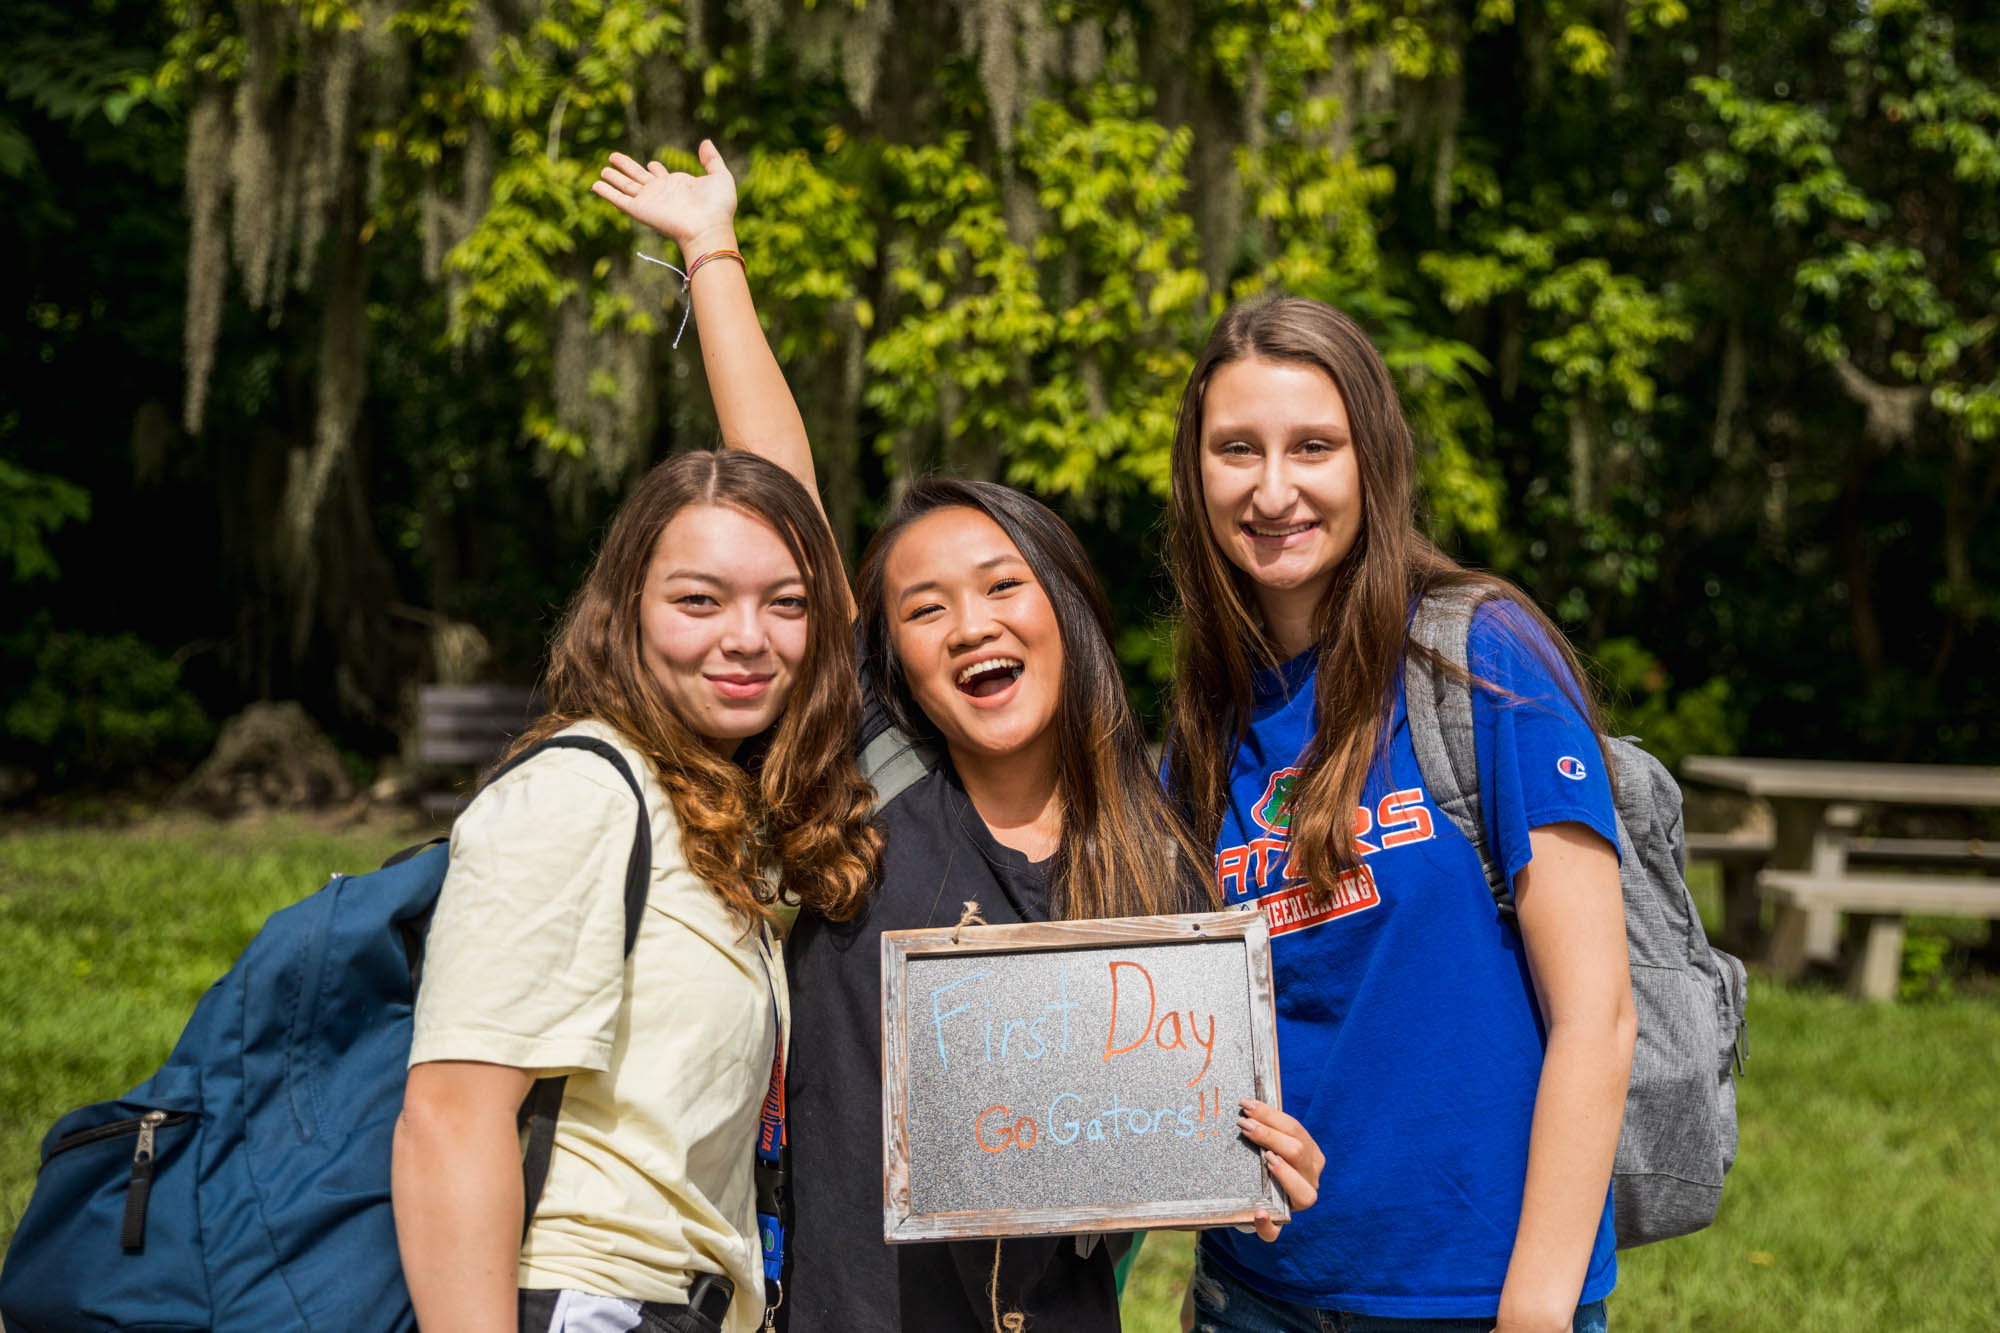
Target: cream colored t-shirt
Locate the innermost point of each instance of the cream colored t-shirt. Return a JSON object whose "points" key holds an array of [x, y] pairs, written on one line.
{"points": [[669, 1055]]}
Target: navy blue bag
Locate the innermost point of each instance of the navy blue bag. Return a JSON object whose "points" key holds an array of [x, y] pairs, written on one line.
{"points": [[245, 1186]]}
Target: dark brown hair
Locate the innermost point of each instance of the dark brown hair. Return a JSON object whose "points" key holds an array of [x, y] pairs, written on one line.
{"points": [[1118, 830], [801, 805], [1360, 627]]}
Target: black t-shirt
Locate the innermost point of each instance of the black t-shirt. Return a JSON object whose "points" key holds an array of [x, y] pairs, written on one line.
{"points": [[842, 1276]]}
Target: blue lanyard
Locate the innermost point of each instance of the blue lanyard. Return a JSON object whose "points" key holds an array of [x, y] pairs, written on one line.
{"points": [[771, 1165]]}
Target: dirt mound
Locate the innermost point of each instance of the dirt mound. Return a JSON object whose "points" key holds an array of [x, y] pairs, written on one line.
{"points": [[270, 756]]}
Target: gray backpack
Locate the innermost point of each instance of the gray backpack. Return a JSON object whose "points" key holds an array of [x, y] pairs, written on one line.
{"points": [[1679, 1135]]}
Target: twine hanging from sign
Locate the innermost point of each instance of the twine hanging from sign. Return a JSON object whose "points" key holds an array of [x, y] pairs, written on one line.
{"points": [[969, 917], [1013, 1321]]}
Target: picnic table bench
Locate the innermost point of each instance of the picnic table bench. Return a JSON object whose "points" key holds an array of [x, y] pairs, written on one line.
{"points": [[1876, 905], [1739, 854], [467, 725], [1816, 807]]}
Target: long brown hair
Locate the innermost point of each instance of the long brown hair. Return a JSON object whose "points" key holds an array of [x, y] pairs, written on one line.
{"points": [[1360, 626], [1118, 831], [800, 805]]}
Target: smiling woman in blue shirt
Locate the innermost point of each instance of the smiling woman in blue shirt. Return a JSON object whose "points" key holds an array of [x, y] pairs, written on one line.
{"points": [[1464, 1073]]}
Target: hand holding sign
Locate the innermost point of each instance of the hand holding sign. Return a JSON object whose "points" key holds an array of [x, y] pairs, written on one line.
{"points": [[1290, 1153]]}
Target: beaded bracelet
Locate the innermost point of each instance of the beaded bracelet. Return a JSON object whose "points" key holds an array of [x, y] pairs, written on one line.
{"points": [[687, 279]]}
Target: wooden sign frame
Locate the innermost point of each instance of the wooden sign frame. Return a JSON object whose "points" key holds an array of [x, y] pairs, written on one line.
{"points": [[901, 1225]]}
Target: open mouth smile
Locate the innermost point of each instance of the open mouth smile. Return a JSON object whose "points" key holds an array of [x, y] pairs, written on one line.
{"points": [[987, 678], [1276, 534]]}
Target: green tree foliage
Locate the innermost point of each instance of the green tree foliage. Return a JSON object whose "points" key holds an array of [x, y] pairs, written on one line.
{"points": [[1694, 305], [100, 708], [31, 507], [53, 69], [1737, 264]]}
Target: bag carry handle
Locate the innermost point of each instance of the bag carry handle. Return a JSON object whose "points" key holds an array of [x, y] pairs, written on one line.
{"points": [[543, 1104]]}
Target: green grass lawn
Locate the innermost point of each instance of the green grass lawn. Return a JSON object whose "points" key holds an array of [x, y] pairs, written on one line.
{"points": [[1867, 1195], [107, 939]]}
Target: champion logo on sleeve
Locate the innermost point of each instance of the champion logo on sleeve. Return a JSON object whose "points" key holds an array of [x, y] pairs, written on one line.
{"points": [[1571, 767]]}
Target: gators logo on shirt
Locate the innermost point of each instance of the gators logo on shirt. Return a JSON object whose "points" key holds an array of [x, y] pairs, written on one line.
{"points": [[1272, 810], [1259, 868]]}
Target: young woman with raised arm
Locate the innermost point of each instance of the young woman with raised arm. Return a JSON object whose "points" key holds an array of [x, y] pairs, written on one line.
{"points": [[709, 648], [986, 636], [1465, 1072]]}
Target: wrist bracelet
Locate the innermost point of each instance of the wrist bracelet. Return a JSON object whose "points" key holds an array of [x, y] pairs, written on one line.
{"points": [[687, 279], [707, 255]]}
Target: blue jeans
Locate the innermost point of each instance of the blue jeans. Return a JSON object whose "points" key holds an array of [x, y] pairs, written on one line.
{"points": [[1224, 1304]]}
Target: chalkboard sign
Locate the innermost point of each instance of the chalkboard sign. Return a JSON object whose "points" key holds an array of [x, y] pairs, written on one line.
{"points": [[1075, 1076]]}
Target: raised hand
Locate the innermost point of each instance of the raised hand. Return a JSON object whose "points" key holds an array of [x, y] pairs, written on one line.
{"points": [[1294, 1159], [697, 213]]}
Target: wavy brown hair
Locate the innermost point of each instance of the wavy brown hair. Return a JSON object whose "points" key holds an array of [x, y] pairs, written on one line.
{"points": [[800, 804], [1118, 830], [1361, 625]]}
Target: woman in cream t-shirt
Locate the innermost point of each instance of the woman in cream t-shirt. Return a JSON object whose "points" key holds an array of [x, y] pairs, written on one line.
{"points": [[710, 617]]}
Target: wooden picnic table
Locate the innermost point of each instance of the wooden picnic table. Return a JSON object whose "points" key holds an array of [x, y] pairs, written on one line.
{"points": [[1816, 806], [1807, 781]]}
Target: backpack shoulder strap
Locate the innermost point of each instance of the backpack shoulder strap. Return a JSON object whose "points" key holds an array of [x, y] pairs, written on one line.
{"points": [[894, 762], [639, 864], [543, 1104], [1439, 705]]}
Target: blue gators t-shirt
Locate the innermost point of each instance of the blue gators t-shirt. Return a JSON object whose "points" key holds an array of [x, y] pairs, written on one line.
{"points": [[1409, 1042]]}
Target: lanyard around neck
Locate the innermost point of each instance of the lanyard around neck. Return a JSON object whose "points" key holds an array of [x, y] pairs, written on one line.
{"points": [[773, 1203]]}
